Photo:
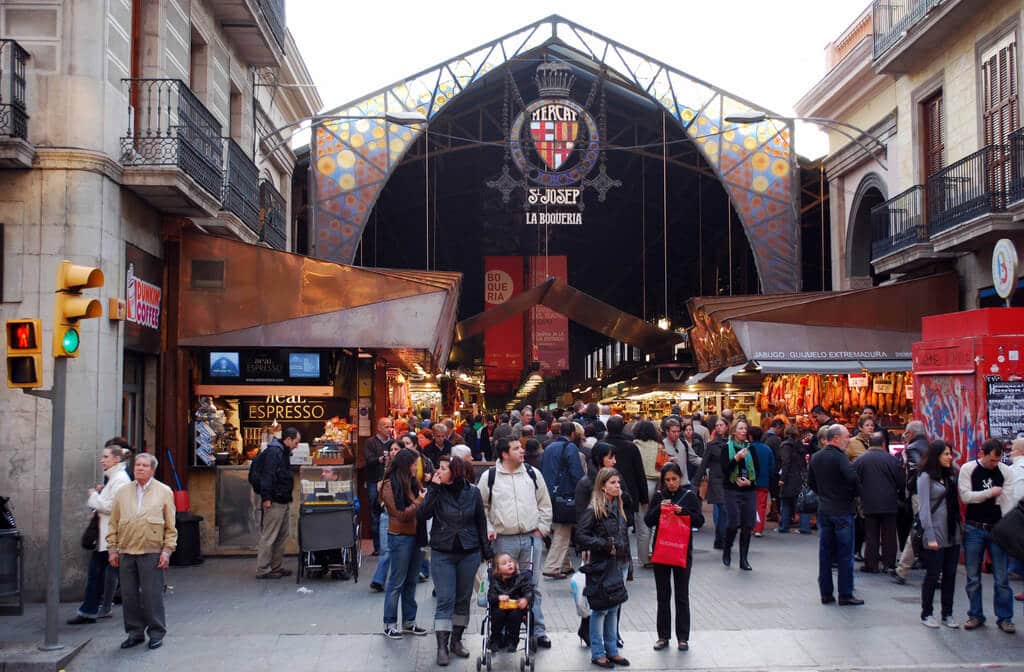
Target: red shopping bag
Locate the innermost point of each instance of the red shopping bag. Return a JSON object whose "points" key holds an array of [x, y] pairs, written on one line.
{"points": [[673, 539]]}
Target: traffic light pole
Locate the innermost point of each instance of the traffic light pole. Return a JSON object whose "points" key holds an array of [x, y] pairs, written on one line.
{"points": [[57, 396]]}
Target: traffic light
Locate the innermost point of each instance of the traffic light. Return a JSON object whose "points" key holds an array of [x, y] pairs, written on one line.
{"points": [[24, 353], [70, 306]]}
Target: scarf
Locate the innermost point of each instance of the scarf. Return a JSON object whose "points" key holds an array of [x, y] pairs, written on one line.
{"points": [[735, 448]]}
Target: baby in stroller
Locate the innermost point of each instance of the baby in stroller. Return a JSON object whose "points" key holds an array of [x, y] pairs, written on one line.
{"points": [[509, 599]]}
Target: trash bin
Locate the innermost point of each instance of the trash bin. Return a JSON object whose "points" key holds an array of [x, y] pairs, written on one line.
{"points": [[11, 572], [189, 551]]}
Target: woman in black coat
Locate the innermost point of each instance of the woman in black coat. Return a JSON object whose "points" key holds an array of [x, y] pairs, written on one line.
{"points": [[458, 540], [684, 501], [740, 467], [792, 472]]}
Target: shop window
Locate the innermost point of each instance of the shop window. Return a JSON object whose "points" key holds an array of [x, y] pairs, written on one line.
{"points": [[207, 274], [133, 400]]}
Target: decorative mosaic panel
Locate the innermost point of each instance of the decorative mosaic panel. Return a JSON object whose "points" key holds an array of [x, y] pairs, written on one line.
{"points": [[356, 150]]}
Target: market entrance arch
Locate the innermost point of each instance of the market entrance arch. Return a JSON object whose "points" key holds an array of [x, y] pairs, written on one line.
{"points": [[356, 148]]}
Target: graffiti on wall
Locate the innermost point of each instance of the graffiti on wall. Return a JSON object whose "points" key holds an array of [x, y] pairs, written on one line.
{"points": [[948, 406]]}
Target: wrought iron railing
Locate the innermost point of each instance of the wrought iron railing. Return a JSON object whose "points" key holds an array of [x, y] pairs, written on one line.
{"points": [[168, 126], [273, 229], [975, 185], [899, 222], [241, 193], [1016, 191], [892, 18], [273, 10], [13, 112]]}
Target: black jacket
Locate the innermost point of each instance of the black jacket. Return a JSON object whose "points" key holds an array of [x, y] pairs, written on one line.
{"points": [[685, 497], [458, 512], [373, 450], [433, 453], [276, 476], [832, 477], [631, 466], [881, 481], [517, 587], [729, 466], [793, 469], [601, 536]]}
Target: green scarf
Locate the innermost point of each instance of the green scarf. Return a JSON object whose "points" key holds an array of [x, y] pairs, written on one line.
{"points": [[733, 449]]}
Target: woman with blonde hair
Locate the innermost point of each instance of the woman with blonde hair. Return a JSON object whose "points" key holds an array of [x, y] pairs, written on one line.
{"points": [[739, 471], [602, 531]]}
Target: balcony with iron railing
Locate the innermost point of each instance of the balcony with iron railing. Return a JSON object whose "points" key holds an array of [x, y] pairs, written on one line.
{"points": [[172, 152], [908, 33], [15, 150], [1016, 190], [273, 220], [900, 236], [973, 188], [241, 191]]}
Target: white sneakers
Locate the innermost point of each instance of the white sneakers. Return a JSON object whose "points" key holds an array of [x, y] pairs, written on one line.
{"points": [[947, 621], [929, 622], [950, 622]]}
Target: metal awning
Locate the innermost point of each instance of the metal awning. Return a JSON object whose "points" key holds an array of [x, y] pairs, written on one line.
{"points": [[237, 295], [841, 366], [881, 366], [698, 377], [726, 375]]}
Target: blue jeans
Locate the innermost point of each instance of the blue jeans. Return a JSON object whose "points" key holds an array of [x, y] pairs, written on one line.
{"points": [[835, 542], [405, 558], [976, 540], [526, 550], [721, 518], [97, 602], [604, 630], [787, 506], [381, 574], [374, 497], [453, 582]]}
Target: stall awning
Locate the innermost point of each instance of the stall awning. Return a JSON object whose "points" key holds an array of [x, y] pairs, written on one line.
{"points": [[697, 377], [854, 326], [237, 295], [843, 366], [726, 375]]}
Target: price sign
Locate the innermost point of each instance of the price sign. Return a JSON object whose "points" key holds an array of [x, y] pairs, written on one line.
{"points": [[857, 381], [883, 386]]}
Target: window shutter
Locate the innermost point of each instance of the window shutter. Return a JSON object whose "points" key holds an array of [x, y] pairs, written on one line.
{"points": [[1000, 114], [933, 135]]}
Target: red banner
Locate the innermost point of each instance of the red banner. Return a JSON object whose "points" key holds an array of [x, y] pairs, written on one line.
{"points": [[503, 345], [549, 329]]}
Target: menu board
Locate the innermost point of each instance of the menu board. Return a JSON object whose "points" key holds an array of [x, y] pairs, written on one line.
{"points": [[1005, 408]]}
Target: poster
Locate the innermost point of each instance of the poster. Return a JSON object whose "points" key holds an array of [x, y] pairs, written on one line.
{"points": [[549, 330], [1005, 408], [503, 344]]}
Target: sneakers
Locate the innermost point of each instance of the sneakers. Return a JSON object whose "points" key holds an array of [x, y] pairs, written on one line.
{"points": [[391, 632], [950, 622], [413, 629], [1007, 626], [929, 622]]}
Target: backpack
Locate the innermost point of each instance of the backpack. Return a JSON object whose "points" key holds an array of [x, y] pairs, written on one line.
{"points": [[256, 469], [492, 473]]}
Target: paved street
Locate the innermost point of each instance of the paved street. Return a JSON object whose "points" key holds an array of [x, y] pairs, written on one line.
{"points": [[770, 618]]}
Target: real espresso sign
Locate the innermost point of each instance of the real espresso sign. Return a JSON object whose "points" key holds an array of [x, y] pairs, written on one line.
{"points": [[286, 409]]}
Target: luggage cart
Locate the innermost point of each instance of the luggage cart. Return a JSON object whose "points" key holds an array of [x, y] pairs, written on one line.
{"points": [[329, 543]]}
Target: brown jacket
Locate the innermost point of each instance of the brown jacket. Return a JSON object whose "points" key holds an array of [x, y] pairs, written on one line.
{"points": [[399, 521], [149, 530], [858, 445]]}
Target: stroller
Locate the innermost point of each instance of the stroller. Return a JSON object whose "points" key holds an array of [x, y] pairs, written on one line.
{"points": [[494, 613]]}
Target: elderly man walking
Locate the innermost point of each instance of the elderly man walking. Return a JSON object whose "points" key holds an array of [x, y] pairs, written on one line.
{"points": [[832, 477], [140, 540]]}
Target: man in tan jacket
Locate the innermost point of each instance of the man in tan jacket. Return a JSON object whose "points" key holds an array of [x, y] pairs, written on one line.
{"points": [[140, 541]]}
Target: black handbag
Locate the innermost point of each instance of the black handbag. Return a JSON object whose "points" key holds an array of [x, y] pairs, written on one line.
{"points": [[91, 535], [807, 500], [1009, 532], [605, 588]]}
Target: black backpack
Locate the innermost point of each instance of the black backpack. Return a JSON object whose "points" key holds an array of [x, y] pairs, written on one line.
{"points": [[256, 469]]}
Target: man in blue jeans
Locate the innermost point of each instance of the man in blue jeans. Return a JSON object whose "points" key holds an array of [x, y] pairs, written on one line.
{"points": [[981, 484], [832, 477], [375, 451]]}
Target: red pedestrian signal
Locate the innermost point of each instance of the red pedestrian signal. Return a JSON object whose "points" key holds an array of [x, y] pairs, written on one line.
{"points": [[24, 353]]}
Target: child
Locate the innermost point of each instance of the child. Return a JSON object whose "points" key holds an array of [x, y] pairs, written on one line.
{"points": [[508, 588]]}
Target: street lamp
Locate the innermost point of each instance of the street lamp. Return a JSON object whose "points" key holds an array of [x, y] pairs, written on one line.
{"points": [[754, 117]]}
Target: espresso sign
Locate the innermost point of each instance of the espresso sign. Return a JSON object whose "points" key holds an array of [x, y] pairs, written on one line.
{"points": [[285, 409]]}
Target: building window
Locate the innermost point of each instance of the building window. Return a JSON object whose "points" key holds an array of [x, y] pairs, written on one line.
{"points": [[132, 400], [999, 105], [933, 126]]}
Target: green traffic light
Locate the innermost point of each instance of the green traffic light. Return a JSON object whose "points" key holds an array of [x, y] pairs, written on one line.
{"points": [[70, 341]]}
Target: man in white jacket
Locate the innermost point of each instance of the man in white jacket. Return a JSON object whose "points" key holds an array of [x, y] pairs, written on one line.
{"points": [[101, 501]]}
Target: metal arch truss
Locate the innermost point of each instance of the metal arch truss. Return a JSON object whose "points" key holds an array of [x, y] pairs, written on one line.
{"points": [[353, 158]]}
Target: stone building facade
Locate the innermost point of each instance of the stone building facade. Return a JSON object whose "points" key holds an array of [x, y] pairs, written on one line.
{"points": [[935, 181], [144, 117]]}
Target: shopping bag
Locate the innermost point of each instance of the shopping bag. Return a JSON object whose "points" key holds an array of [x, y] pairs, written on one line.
{"points": [[662, 459], [577, 583], [672, 543], [481, 585]]}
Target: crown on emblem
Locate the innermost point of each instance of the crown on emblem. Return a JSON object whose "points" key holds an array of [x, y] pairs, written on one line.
{"points": [[554, 79]]}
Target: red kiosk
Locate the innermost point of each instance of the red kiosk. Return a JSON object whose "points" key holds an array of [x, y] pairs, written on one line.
{"points": [[969, 377]]}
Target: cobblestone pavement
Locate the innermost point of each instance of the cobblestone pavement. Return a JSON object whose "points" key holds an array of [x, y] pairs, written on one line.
{"points": [[220, 618]]}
